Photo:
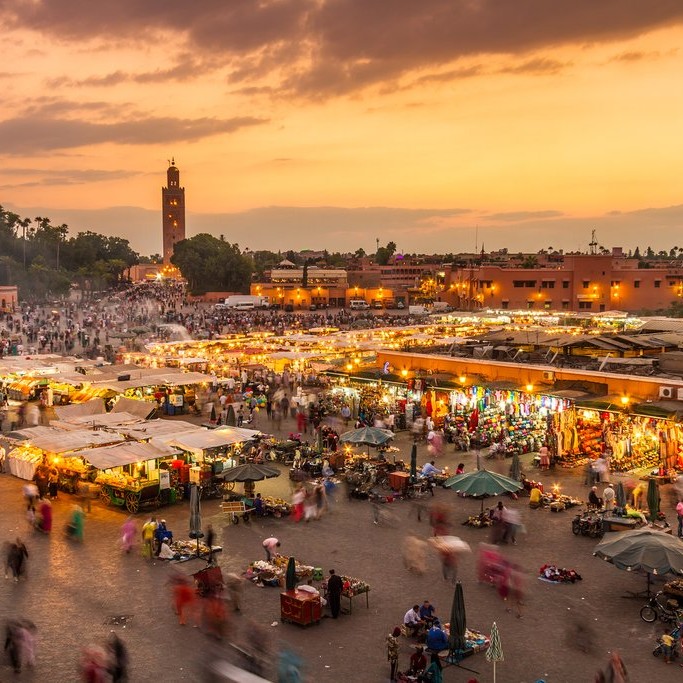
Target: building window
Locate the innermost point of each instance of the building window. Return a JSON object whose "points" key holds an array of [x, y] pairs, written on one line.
{"points": [[529, 304], [548, 304], [524, 283], [586, 284], [504, 305], [636, 284], [615, 283], [658, 284], [585, 305], [565, 284], [548, 284], [565, 305]]}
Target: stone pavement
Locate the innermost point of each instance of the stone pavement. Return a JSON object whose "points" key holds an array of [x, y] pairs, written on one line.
{"points": [[72, 591]]}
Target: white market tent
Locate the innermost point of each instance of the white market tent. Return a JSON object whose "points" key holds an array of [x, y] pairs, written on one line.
{"points": [[205, 439], [126, 453], [60, 441], [149, 429]]}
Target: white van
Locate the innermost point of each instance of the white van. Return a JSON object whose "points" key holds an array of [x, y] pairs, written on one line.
{"points": [[244, 306], [358, 305]]}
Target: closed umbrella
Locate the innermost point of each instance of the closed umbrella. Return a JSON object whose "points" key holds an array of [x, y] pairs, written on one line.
{"points": [[413, 464], [230, 418], [195, 515], [290, 575], [653, 499], [621, 495], [515, 467], [495, 652], [456, 638], [645, 550]]}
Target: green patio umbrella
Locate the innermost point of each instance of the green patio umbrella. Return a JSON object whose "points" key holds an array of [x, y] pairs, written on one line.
{"points": [[413, 464], [482, 483], [367, 436], [290, 575], [495, 652], [643, 550], [653, 499]]}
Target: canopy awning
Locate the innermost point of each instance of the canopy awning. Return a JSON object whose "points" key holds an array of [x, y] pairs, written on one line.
{"points": [[141, 409], [95, 406], [205, 439], [59, 441], [126, 453], [149, 429]]}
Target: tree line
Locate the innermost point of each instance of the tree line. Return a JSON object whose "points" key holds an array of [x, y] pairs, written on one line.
{"points": [[44, 262]]}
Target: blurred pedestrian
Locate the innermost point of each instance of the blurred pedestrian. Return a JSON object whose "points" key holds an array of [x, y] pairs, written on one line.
{"points": [[44, 521], [94, 665], [118, 659], [184, 597], [415, 555], [128, 534], [17, 554], [76, 525], [13, 644], [31, 494], [616, 669], [27, 634], [234, 584], [210, 539]]}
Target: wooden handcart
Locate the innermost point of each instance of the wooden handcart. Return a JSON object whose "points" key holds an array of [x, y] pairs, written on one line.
{"points": [[131, 498]]}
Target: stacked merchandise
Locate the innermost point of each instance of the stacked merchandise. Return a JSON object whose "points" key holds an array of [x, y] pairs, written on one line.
{"points": [[553, 574]]}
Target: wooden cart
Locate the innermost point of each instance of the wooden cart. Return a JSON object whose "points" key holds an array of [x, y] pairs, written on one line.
{"points": [[131, 498]]}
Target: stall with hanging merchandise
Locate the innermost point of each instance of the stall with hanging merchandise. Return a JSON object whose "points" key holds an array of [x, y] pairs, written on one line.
{"points": [[628, 440], [509, 419]]}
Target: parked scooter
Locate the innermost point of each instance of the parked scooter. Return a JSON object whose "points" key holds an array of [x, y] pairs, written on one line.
{"points": [[588, 525]]}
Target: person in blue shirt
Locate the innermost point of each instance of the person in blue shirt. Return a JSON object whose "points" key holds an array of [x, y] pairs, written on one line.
{"points": [[258, 505], [428, 470], [427, 612], [437, 639]]}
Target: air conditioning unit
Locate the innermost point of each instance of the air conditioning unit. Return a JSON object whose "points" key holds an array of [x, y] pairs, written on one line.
{"points": [[666, 392], [548, 375], [679, 394]]}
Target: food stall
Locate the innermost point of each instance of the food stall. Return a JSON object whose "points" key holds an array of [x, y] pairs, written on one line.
{"points": [[130, 476], [49, 445], [352, 588]]}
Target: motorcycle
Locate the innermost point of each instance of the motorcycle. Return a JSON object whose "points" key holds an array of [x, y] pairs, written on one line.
{"points": [[663, 607], [588, 525]]}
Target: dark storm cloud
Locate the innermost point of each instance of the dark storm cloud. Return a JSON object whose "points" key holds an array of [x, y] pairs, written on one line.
{"points": [[33, 133], [324, 47]]}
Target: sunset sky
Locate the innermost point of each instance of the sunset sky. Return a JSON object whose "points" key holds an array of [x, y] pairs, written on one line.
{"points": [[438, 124]]}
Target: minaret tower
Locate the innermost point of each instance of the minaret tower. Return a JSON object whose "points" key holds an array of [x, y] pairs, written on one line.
{"points": [[173, 212]]}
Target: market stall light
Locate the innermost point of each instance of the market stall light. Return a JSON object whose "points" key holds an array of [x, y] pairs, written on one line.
{"points": [[625, 400], [404, 372], [349, 367], [462, 379], [556, 489], [529, 387]]}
